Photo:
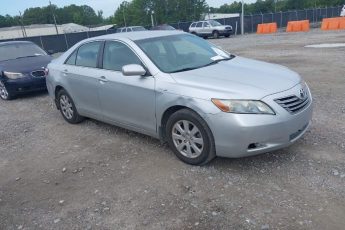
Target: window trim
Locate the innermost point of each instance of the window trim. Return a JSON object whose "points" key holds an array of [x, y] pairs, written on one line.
{"points": [[77, 50], [135, 53], [196, 26], [69, 56]]}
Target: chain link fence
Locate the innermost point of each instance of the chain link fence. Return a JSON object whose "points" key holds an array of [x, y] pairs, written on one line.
{"points": [[62, 42], [281, 18]]}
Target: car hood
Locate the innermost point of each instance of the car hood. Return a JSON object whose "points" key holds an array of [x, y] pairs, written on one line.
{"points": [[25, 65], [239, 78]]}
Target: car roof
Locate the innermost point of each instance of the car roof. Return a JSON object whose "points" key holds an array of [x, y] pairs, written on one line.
{"points": [[139, 35], [15, 42]]}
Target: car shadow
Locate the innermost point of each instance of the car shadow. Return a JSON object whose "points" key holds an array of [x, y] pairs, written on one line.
{"points": [[266, 161], [31, 95]]}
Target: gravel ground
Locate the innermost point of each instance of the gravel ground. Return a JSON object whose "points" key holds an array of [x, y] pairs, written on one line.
{"points": [[96, 176]]}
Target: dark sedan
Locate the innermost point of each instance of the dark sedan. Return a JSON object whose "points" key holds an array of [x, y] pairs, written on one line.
{"points": [[22, 68]]}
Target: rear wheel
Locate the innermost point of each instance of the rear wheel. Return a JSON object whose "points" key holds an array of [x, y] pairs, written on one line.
{"points": [[4, 94], [67, 108], [215, 34], [190, 137]]}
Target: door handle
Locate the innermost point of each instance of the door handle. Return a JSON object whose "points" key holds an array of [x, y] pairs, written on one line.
{"points": [[103, 79]]}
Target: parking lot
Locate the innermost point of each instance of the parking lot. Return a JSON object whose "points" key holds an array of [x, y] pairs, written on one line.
{"points": [[96, 176]]}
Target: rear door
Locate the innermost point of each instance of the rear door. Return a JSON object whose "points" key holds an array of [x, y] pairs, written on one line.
{"points": [[198, 28], [128, 100], [81, 74], [206, 28]]}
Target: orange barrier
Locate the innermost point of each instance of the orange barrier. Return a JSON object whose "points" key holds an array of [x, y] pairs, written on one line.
{"points": [[298, 26], [267, 28], [333, 23]]}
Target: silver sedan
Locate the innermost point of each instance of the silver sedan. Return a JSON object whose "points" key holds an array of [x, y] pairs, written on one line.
{"points": [[183, 90]]}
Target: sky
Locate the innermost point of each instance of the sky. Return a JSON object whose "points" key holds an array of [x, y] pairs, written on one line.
{"points": [[12, 7]]}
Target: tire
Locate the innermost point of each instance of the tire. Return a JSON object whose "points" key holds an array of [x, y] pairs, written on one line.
{"points": [[67, 108], [215, 34], [196, 145], [4, 94], [227, 36]]}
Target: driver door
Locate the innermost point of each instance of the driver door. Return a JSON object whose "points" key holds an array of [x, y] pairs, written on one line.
{"points": [[126, 100]]}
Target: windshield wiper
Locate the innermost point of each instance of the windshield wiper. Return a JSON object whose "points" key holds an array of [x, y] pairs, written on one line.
{"points": [[185, 69], [217, 61], [211, 63], [30, 56]]}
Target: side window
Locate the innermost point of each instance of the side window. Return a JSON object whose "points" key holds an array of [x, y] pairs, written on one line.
{"points": [[129, 30], [193, 25], [199, 24], [123, 30], [88, 54], [117, 54], [206, 24], [71, 59]]}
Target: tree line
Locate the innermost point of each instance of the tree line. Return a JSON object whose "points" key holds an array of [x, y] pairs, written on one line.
{"points": [[83, 15], [138, 12], [268, 6]]}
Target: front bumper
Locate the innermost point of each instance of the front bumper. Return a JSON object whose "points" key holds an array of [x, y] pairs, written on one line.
{"points": [[241, 135], [225, 32], [25, 85]]}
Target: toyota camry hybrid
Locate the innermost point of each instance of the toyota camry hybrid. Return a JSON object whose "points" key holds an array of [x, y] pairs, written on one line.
{"points": [[202, 100]]}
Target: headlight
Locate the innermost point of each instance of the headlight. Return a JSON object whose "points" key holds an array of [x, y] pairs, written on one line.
{"points": [[12, 75], [243, 106]]}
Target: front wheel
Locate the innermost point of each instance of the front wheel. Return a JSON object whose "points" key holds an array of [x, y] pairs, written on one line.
{"points": [[4, 94], [67, 108], [190, 137], [216, 34]]}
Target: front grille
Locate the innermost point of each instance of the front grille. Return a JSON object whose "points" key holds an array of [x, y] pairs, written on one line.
{"points": [[38, 73], [293, 104]]}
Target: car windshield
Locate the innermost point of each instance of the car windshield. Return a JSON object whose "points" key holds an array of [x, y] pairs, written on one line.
{"points": [[214, 23], [139, 28], [177, 53], [20, 50]]}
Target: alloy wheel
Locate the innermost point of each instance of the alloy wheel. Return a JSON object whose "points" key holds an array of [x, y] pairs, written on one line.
{"points": [[3, 91], [187, 139], [66, 107]]}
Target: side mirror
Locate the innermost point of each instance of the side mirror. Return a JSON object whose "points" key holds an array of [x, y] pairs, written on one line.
{"points": [[133, 70]]}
